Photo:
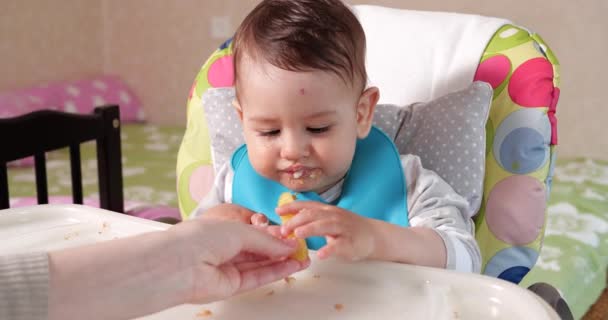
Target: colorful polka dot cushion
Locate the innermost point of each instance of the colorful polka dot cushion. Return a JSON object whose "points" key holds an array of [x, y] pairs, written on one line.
{"points": [[520, 134]]}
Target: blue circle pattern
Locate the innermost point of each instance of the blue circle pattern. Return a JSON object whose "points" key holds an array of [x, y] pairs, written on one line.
{"points": [[521, 143], [514, 274], [522, 151], [512, 263]]}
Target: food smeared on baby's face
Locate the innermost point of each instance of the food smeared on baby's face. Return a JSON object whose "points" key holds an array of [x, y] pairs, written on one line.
{"points": [[301, 175]]}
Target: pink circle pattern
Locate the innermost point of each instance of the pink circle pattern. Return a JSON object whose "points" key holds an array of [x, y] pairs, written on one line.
{"points": [[493, 70], [221, 72], [515, 210], [531, 84], [201, 182]]}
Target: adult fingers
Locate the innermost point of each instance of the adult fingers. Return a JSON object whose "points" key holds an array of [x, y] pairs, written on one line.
{"points": [[261, 243], [263, 275], [274, 231], [250, 265], [245, 257]]}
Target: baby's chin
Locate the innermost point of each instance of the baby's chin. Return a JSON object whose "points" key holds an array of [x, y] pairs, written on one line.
{"points": [[297, 185], [304, 185]]}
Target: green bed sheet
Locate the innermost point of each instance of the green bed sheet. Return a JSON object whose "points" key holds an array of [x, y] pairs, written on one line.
{"points": [[574, 254], [149, 155]]}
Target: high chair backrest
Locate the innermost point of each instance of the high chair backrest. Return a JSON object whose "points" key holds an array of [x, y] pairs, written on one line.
{"points": [[416, 56]]}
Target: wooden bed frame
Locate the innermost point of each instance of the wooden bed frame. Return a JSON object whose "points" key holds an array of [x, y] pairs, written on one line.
{"points": [[41, 131]]}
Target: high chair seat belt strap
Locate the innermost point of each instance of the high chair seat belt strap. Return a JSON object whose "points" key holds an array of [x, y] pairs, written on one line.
{"points": [[374, 187]]}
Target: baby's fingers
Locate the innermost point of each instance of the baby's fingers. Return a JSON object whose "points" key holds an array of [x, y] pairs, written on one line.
{"points": [[297, 206], [259, 219], [326, 251], [319, 228], [338, 247], [303, 217]]}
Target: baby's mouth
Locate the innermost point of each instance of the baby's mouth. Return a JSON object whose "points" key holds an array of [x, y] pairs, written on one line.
{"points": [[301, 174]]}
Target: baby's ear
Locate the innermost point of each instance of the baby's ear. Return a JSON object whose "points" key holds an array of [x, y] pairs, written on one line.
{"points": [[237, 107], [365, 111]]}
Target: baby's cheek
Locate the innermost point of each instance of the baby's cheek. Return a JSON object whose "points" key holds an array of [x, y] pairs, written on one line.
{"points": [[263, 164], [338, 165]]}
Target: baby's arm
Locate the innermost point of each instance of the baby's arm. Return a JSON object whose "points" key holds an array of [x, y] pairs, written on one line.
{"points": [[440, 235], [433, 206]]}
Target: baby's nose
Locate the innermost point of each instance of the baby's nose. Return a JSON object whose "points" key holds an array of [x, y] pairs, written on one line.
{"points": [[294, 147]]}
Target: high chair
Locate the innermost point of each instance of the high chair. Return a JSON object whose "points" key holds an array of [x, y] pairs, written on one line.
{"points": [[416, 56]]}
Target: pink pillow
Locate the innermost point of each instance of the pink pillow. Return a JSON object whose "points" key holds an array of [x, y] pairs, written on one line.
{"points": [[22, 101], [22, 163], [80, 96], [19, 102]]}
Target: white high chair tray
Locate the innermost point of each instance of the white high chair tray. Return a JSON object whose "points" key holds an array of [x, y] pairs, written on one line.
{"points": [[327, 290]]}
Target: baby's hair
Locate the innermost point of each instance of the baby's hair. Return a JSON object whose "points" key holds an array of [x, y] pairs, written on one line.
{"points": [[304, 35]]}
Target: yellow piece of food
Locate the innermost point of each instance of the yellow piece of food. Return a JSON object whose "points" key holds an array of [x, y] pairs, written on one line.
{"points": [[301, 253]]}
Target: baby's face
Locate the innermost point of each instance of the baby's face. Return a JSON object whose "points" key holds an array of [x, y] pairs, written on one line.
{"points": [[300, 127]]}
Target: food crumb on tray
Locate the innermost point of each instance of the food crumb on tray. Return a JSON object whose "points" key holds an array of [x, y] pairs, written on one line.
{"points": [[71, 235], [290, 280], [338, 306], [205, 313]]}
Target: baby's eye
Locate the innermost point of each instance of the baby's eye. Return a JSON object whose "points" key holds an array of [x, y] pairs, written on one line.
{"points": [[318, 130], [270, 133]]}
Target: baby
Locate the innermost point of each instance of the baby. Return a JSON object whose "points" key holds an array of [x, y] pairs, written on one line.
{"points": [[306, 111]]}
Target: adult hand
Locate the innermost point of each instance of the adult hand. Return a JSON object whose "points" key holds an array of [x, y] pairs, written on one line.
{"points": [[348, 235], [198, 261], [229, 258]]}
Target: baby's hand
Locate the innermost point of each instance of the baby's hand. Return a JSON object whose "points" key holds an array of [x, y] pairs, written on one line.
{"points": [[229, 212], [348, 235], [258, 219], [301, 253]]}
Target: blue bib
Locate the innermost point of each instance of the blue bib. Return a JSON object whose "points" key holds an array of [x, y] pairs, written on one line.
{"points": [[374, 186]]}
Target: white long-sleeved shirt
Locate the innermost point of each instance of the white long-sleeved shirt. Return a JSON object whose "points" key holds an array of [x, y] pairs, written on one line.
{"points": [[431, 203]]}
